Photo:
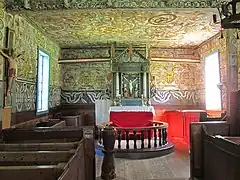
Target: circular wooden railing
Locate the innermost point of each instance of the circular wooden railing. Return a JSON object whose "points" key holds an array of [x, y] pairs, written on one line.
{"points": [[137, 138]]}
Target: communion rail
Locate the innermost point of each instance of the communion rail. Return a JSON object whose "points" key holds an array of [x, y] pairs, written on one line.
{"points": [[138, 138]]}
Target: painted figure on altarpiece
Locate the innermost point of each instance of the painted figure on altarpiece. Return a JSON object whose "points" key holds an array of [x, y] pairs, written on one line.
{"points": [[130, 89]]}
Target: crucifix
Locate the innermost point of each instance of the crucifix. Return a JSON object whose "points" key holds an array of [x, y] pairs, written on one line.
{"points": [[130, 85], [12, 68]]}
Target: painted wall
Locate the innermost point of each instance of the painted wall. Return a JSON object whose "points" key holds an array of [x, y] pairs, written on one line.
{"points": [[215, 44], [84, 82], [27, 41], [87, 80], [175, 75], [85, 76], [90, 78], [175, 83]]}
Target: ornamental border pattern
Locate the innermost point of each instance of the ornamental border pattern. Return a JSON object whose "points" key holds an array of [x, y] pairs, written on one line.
{"points": [[175, 97], [17, 5], [83, 97], [26, 96]]}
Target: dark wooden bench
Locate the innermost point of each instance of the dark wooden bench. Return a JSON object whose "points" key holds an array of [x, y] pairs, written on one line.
{"points": [[62, 153], [85, 113], [215, 155], [197, 146], [46, 172], [221, 158], [48, 123], [69, 120]]}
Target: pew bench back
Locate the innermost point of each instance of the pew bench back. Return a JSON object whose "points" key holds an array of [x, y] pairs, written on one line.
{"points": [[47, 153]]}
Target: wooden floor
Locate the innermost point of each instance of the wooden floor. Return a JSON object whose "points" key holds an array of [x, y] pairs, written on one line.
{"points": [[171, 167]]}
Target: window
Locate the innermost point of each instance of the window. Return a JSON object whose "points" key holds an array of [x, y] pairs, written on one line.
{"points": [[42, 83], [212, 79]]}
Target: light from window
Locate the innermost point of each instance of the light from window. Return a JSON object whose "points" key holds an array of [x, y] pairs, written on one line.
{"points": [[212, 79], [42, 83]]}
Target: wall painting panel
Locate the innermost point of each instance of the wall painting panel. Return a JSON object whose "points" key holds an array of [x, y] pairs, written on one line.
{"points": [[175, 82]]}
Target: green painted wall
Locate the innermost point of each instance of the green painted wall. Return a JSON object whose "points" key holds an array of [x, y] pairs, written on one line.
{"points": [[27, 40], [86, 76]]}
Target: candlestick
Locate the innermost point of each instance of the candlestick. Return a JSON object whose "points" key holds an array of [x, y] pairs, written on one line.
{"points": [[144, 85], [117, 84]]}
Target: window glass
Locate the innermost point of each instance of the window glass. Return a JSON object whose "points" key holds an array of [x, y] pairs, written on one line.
{"points": [[42, 83], [212, 79]]}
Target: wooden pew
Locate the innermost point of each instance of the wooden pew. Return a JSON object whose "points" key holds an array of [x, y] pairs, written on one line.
{"points": [[67, 153], [86, 113], [46, 172], [41, 135], [60, 124], [32, 122], [47, 163], [63, 121], [47, 123], [196, 143], [70, 120], [64, 146], [74, 167], [37, 157], [221, 158]]}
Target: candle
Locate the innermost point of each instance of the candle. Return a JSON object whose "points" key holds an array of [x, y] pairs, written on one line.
{"points": [[144, 85], [117, 84]]}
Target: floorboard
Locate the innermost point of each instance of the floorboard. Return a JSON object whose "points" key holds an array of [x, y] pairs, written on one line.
{"points": [[171, 167]]}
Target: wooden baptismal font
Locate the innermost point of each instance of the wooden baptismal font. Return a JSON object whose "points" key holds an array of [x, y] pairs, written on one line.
{"points": [[108, 166]]}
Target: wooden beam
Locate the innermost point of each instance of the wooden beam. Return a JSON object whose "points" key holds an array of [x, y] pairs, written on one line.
{"points": [[175, 60], [80, 60]]}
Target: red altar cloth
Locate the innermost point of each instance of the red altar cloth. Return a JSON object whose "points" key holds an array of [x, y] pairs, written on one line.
{"points": [[131, 119]]}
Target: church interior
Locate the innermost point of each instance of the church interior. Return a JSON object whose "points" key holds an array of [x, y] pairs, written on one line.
{"points": [[119, 89]]}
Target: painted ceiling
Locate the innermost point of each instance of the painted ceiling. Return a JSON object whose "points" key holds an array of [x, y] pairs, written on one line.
{"points": [[18, 5], [160, 28]]}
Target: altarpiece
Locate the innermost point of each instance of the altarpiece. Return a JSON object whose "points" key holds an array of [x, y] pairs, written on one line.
{"points": [[131, 77]]}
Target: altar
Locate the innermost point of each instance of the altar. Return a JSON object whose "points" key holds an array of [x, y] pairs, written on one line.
{"points": [[131, 116]]}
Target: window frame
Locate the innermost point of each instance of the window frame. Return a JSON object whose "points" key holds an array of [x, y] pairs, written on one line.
{"points": [[219, 69], [45, 54]]}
